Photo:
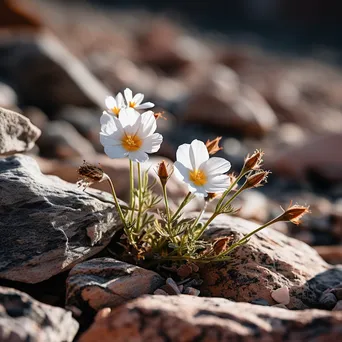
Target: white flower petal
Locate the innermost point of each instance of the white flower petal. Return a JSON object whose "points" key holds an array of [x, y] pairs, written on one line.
{"points": [[128, 117], [109, 140], [138, 98], [120, 101], [181, 171], [145, 105], [151, 144], [183, 155], [115, 151], [216, 166], [138, 156], [128, 95], [217, 183], [110, 124], [148, 124], [198, 190], [110, 102], [198, 154]]}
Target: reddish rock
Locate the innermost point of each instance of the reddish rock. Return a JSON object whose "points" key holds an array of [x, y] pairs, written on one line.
{"points": [[189, 319], [105, 282]]}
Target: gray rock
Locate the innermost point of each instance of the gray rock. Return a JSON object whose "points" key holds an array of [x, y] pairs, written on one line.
{"points": [[328, 300], [268, 261], [22, 318], [48, 225], [106, 282], [190, 319], [45, 74], [17, 133]]}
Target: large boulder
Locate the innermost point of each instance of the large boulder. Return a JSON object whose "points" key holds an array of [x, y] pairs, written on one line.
{"points": [[23, 319], [188, 319], [17, 133], [48, 225], [268, 261], [106, 282]]}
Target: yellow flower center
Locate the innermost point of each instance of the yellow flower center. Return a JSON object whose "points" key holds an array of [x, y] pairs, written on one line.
{"points": [[116, 110], [131, 143], [132, 104], [198, 177]]}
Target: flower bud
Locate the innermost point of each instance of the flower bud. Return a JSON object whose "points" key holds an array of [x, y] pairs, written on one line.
{"points": [[212, 195], [164, 172], [213, 145], [159, 115], [294, 213], [256, 180], [90, 174], [253, 162], [221, 244]]}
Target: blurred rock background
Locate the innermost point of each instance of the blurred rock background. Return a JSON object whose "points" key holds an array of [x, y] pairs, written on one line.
{"points": [[261, 74]]}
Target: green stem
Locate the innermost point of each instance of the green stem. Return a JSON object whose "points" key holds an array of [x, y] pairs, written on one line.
{"points": [[199, 217], [246, 237], [181, 206], [211, 218], [118, 207], [131, 186], [229, 190], [139, 198]]}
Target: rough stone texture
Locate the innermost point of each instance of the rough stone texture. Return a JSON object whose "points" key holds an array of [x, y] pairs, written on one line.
{"points": [[106, 282], [268, 261], [17, 133], [46, 224], [22, 318], [186, 319]]}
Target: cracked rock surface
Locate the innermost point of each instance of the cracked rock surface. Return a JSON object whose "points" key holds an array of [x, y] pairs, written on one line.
{"points": [[188, 319], [22, 318], [48, 225], [106, 282], [268, 261], [17, 133]]}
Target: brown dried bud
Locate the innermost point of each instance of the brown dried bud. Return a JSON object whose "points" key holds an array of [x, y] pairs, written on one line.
{"points": [[164, 172], [232, 176], [256, 180], [213, 145], [253, 162], [160, 115], [294, 213], [90, 174], [212, 195]]}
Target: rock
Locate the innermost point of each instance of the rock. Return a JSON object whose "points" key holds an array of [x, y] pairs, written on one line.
{"points": [[281, 295], [328, 300], [338, 306], [225, 103], [268, 261], [8, 97], [23, 318], [106, 282], [331, 254], [45, 74], [61, 140], [318, 157], [186, 319], [260, 301], [17, 133], [46, 224]]}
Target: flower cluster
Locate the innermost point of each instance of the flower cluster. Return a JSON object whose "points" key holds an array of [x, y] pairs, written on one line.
{"points": [[129, 132]]}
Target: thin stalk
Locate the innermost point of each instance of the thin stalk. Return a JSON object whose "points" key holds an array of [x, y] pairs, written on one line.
{"points": [[131, 187], [182, 205], [246, 237], [200, 215], [139, 198], [168, 213], [118, 207]]}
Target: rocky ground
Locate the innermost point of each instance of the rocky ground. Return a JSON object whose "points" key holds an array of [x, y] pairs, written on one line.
{"points": [[59, 280]]}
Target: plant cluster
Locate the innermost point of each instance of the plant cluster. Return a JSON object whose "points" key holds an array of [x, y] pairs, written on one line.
{"points": [[150, 233]]}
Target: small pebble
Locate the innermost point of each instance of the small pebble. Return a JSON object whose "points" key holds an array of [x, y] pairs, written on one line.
{"points": [[103, 313], [328, 300], [260, 301], [337, 292], [338, 306], [192, 291], [281, 295]]}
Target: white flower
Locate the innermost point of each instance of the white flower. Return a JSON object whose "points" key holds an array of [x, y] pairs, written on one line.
{"points": [[115, 104], [130, 135], [135, 101], [202, 174]]}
